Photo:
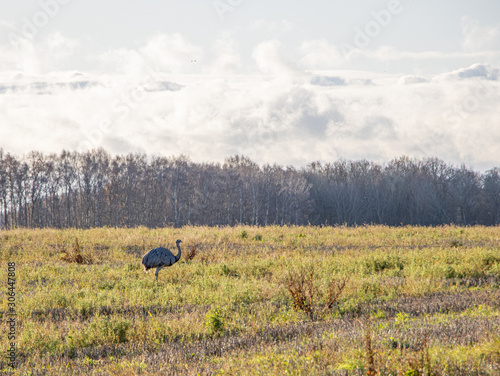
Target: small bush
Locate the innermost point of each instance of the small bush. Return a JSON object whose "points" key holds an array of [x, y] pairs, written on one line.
{"points": [[191, 253], [258, 237], [455, 243], [214, 321], [306, 295], [120, 329], [76, 255], [243, 234], [303, 291], [419, 363], [369, 350], [450, 272], [334, 291]]}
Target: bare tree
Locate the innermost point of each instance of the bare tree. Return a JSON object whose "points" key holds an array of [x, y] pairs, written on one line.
{"points": [[94, 189], [491, 184]]}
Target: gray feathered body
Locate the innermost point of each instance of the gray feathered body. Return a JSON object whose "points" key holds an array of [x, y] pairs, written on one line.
{"points": [[160, 257]]}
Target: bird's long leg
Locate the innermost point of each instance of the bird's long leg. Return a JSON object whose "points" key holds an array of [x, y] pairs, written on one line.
{"points": [[157, 270]]}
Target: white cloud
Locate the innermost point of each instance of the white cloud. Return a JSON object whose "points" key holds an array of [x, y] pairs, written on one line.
{"points": [[270, 61], [479, 38], [171, 53], [478, 71], [411, 79], [227, 58], [320, 54], [121, 60], [267, 118], [37, 57], [155, 99]]}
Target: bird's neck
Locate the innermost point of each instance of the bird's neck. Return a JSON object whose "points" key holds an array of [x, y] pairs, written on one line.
{"points": [[178, 253]]}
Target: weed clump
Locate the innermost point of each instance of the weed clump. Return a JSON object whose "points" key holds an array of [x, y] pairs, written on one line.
{"points": [[75, 255], [306, 295], [420, 362], [455, 243], [303, 291], [450, 272], [369, 350], [214, 321], [191, 253]]}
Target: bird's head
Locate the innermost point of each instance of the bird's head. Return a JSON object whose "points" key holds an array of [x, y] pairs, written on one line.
{"points": [[179, 241]]}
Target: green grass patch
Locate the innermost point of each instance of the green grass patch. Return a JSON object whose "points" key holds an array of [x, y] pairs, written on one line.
{"points": [[245, 300]]}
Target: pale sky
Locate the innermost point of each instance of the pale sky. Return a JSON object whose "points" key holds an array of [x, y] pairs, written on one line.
{"points": [[278, 81]]}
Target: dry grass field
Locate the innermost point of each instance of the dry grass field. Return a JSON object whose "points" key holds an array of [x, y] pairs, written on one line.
{"points": [[369, 300]]}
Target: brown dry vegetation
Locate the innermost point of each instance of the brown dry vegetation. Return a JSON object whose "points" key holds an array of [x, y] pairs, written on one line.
{"points": [[275, 300], [76, 255]]}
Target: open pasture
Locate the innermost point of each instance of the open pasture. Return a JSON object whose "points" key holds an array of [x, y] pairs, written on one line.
{"points": [[254, 300]]}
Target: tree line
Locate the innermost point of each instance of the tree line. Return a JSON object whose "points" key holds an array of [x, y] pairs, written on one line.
{"points": [[94, 189]]}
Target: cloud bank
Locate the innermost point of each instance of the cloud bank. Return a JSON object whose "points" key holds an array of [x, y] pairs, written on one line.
{"points": [[171, 97]]}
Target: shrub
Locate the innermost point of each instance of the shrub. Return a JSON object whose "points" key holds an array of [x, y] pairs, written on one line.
{"points": [[214, 321], [76, 255], [119, 329], [369, 350], [450, 272], [191, 253], [302, 289], [455, 243], [306, 295]]}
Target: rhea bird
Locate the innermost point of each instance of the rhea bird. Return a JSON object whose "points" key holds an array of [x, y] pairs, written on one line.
{"points": [[160, 257]]}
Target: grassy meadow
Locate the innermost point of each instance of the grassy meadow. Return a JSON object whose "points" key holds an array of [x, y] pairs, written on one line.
{"points": [[369, 300]]}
